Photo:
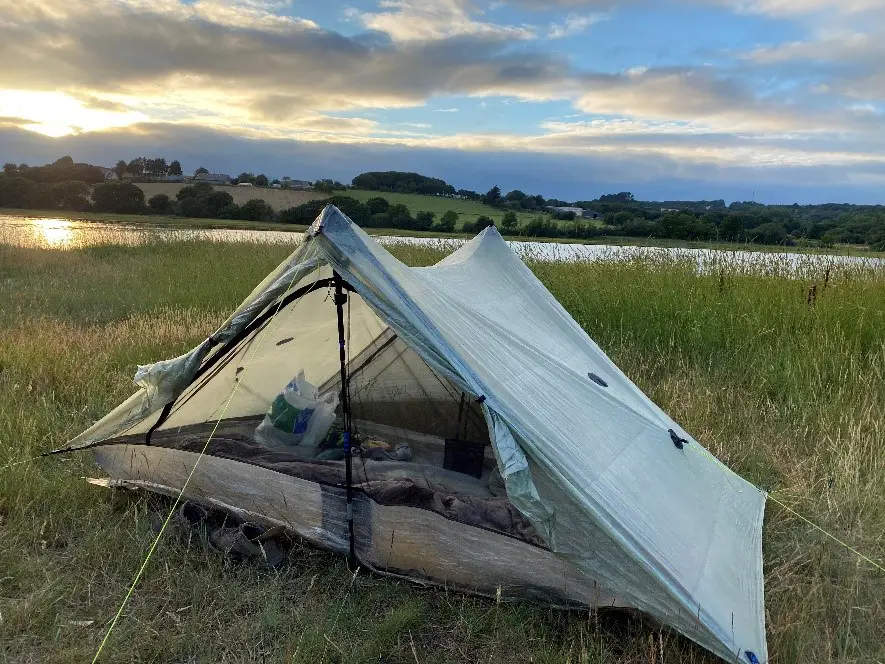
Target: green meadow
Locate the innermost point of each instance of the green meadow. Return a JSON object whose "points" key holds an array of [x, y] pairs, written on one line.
{"points": [[467, 210], [785, 386]]}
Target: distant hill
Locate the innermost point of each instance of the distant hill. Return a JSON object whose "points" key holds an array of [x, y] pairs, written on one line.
{"points": [[402, 183]]}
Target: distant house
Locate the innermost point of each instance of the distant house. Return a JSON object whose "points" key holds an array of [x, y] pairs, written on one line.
{"points": [[670, 210], [109, 173], [288, 183], [174, 178], [245, 184], [578, 212], [590, 214], [213, 178]]}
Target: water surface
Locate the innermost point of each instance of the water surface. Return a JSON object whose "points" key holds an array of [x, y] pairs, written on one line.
{"points": [[57, 233]]}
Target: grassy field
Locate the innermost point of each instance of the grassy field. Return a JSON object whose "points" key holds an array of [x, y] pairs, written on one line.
{"points": [[279, 199], [467, 210], [789, 395]]}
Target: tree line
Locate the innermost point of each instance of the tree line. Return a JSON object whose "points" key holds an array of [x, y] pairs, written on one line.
{"points": [[67, 185]]}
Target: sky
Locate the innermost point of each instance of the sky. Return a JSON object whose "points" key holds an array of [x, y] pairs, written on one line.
{"points": [[778, 101]]}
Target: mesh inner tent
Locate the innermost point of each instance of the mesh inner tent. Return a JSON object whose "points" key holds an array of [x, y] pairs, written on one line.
{"points": [[405, 416]]}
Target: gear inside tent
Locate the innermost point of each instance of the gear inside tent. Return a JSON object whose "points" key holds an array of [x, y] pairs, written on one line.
{"points": [[450, 424]]}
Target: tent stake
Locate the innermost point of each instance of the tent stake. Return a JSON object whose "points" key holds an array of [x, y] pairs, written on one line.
{"points": [[340, 300]]}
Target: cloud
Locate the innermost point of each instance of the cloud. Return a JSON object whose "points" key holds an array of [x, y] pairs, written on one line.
{"points": [[425, 20], [565, 174], [706, 97], [573, 25], [181, 59], [240, 68]]}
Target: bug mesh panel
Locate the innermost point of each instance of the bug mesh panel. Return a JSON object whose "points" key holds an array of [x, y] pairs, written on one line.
{"points": [[411, 425]]}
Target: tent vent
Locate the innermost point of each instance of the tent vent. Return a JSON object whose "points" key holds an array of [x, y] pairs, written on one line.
{"points": [[677, 441], [751, 657], [596, 379]]}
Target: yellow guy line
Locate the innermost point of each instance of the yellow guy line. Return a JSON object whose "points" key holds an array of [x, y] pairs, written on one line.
{"points": [[184, 487]]}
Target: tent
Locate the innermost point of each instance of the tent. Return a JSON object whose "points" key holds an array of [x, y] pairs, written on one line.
{"points": [[535, 468]]}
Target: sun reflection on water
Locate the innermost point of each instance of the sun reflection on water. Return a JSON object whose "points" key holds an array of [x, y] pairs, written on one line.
{"points": [[54, 233]]}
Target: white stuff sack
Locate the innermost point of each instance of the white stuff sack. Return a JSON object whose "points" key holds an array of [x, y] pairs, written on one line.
{"points": [[297, 416]]}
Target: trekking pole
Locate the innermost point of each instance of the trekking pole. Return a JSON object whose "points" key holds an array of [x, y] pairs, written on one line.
{"points": [[340, 300]]}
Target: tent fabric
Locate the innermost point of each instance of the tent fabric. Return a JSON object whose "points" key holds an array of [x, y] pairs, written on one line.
{"points": [[585, 455]]}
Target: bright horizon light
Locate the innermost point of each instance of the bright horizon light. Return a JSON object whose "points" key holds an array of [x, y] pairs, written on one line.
{"points": [[56, 114]]}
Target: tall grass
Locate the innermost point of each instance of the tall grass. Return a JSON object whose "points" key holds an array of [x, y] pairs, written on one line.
{"points": [[785, 389]]}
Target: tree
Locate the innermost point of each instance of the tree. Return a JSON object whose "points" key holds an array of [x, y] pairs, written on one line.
{"points": [[196, 190], [400, 216], [15, 191], [447, 222], [175, 167], [621, 197], [136, 167], [516, 196], [256, 209], [769, 233], [377, 205], [67, 160], [157, 167], [161, 204], [71, 195], [261, 180], [9, 167], [118, 197], [217, 201], [397, 181], [482, 222], [732, 227], [492, 197], [509, 223], [424, 220], [120, 169], [201, 169]]}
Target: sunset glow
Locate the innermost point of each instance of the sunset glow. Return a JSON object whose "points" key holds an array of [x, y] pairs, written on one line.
{"points": [[56, 114]]}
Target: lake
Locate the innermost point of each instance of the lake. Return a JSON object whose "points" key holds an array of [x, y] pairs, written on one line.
{"points": [[57, 233]]}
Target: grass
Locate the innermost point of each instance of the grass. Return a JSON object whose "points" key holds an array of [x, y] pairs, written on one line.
{"points": [[790, 395]]}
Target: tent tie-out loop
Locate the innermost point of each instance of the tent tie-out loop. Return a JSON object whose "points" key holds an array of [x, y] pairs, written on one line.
{"points": [[677, 440]]}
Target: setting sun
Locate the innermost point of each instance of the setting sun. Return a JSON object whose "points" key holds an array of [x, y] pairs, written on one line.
{"points": [[55, 114]]}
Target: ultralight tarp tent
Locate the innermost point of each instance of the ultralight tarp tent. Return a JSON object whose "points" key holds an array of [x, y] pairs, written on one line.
{"points": [[608, 501]]}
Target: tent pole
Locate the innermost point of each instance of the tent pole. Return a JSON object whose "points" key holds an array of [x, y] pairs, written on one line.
{"points": [[340, 300]]}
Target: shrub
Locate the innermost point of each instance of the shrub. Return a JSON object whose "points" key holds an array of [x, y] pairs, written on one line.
{"points": [[424, 220], [447, 222], [216, 201], [161, 204], [118, 197], [482, 222], [379, 220], [256, 209], [377, 205], [509, 222]]}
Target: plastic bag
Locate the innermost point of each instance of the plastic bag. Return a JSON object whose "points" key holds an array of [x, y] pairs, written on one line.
{"points": [[297, 416]]}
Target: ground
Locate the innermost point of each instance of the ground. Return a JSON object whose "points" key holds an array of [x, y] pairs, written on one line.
{"points": [[279, 199], [787, 392]]}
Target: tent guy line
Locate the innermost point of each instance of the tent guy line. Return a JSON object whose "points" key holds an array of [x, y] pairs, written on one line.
{"points": [[594, 513], [180, 495]]}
